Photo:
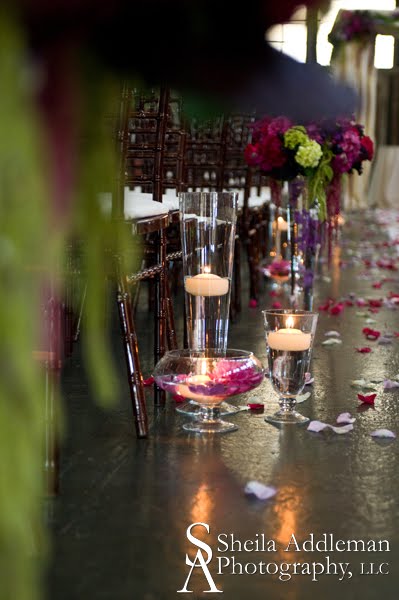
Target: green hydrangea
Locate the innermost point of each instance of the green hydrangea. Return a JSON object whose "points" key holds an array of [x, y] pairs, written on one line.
{"points": [[309, 154], [295, 136]]}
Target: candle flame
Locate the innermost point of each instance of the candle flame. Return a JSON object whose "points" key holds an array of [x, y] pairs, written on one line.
{"points": [[207, 269], [289, 323], [280, 219]]}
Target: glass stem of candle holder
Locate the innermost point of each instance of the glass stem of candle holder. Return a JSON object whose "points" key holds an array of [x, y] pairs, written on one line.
{"points": [[287, 413], [209, 414]]}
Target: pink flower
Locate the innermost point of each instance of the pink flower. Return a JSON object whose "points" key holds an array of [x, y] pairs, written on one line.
{"points": [[279, 125], [148, 382], [253, 303], [365, 350], [273, 154], [277, 305], [253, 154], [368, 146]]}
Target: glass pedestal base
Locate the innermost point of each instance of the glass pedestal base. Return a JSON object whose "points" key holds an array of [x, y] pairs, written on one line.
{"points": [[208, 421], [283, 417], [287, 415], [215, 427], [192, 409]]}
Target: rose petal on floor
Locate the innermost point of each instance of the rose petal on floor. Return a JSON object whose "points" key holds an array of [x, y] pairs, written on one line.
{"points": [[389, 384], [345, 418], [261, 491], [302, 397], [383, 433], [331, 342], [317, 426]]}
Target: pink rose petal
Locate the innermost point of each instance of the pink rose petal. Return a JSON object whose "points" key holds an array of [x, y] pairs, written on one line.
{"points": [[148, 382], [336, 309], [367, 399], [253, 303], [256, 406], [277, 305], [178, 398], [364, 350]]}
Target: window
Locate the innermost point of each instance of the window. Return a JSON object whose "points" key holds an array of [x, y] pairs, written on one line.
{"points": [[291, 37]]}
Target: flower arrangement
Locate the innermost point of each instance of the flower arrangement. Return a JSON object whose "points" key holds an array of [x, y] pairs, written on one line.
{"points": [[360, 24], [318, 152]]}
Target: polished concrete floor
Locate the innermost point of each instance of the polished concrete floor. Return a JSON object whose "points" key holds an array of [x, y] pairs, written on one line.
{"points": [[120, 523]]}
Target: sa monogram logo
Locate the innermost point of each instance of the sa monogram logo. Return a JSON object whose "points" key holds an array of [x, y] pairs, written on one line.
{"points": [[199, 560]]}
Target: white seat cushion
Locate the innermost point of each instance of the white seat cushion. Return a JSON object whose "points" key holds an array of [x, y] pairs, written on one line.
{"points": [[139, 205]]}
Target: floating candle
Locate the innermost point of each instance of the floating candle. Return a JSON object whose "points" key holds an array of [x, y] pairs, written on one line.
{"points": [[289, 339], [282, 225], [207, 284]]}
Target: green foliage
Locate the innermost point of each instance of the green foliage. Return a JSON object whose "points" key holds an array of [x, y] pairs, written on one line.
{"points": [[33, 253], [317, 184], [25, 251]]}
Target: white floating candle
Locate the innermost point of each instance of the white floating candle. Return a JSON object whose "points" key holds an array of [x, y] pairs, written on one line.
{"points": [[289, 339], [207, 284], [282, 225]]}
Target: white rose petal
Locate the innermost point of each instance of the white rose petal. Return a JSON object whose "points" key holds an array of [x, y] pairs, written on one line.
{"points": [[383, 433], [261, 491], [345, 418]]}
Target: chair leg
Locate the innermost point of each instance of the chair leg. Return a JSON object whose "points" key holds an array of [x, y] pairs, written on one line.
{"points": [[170, 319], [160, 312], [135, 377], [52, 454], [237, 276]]}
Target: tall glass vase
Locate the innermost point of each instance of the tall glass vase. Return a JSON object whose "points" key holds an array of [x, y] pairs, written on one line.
{"points": [[208, 226]]}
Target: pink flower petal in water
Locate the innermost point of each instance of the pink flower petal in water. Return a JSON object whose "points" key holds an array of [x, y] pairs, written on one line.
{"points": [[261, 491], [364, 350], [377, 285], [367, 399], [178, 398], [277, 305], [361, 302]]}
